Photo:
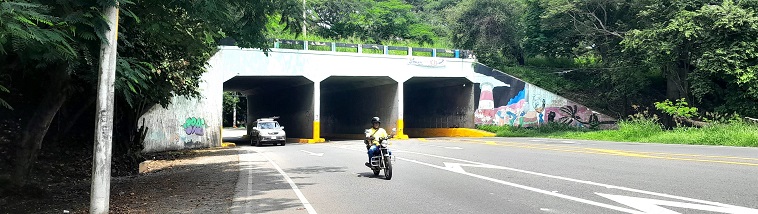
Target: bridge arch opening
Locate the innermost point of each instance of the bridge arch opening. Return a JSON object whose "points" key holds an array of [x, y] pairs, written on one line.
{"points": [[349, 102], [438, 102], [288, 97]]}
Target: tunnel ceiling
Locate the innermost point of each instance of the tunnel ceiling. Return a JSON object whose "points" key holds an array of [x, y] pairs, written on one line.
{"points": [[251, 85], [345, 83], [436, 82]]}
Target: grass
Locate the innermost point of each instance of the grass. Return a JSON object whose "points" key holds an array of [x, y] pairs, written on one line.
{"points": [[643, 131]]}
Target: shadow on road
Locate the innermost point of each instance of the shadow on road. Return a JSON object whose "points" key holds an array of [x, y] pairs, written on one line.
{"points": [[316, 170], [267, 190], [370, 174]]}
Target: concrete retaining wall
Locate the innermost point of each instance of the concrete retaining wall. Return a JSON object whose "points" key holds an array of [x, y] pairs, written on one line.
{"points": [[506, 100], [187, 123]]}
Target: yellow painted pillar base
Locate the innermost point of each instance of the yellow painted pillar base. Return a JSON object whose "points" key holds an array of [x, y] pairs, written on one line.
{"points": [[309, 141], [221, 135], [400, 135], [316, 134]]}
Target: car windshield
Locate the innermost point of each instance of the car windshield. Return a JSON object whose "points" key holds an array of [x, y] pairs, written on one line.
{"points": [[269, 125]]}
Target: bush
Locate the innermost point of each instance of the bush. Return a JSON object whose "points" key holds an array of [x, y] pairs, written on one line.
{"points": [[644, 130]]}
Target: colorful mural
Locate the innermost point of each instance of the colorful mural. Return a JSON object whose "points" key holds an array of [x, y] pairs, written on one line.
{"points": [[522, 104]]}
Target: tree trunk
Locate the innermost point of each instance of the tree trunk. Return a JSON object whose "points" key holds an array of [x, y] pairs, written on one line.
{"points": [[72, 121], [36, 127], [677, 86], [699, 124], [676, 82], [234, 116], [518, 54]]}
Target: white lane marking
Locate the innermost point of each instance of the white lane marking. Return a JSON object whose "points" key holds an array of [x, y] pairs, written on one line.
{"points": [[444, 147], [244, 189], [314, 154], [580, 181], [654, 205], [455, 167], [292, 184], [581, 200], [644, 204], [551, 141], [249, 203]]}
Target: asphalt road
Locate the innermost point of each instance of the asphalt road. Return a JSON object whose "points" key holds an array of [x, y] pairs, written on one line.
{"points": [[499, 175]]}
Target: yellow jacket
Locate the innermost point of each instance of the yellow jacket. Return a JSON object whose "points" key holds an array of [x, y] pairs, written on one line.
{"points": [[380, 133]]}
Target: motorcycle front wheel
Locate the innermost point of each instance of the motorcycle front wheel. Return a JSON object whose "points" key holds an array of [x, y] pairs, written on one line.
{"points": [[387, 169]]}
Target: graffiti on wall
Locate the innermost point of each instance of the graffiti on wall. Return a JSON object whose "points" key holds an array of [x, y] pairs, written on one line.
{"points": [[524, 105], [194, 126]]}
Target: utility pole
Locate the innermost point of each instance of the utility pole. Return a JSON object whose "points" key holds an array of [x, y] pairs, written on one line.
{"points": [[101, 160], [304, 20]]}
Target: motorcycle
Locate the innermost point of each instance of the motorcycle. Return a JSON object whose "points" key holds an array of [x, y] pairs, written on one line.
{"points": [[383, 160]]}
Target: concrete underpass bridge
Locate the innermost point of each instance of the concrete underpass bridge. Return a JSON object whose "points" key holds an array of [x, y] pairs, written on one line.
{"points": [[320, 91]]}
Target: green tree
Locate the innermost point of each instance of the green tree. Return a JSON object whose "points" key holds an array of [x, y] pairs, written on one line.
{"points": [[163, 48], [337, 18], [492, 28], [713, 48], [231, 107], [28, 29], [378, 21], [550, 37]]}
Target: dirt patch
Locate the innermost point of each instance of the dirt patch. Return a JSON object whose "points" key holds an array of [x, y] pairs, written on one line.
{"points": [[196, 181]]}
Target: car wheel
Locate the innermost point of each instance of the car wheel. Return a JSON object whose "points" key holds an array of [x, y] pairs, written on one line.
{"points": [[282, 143], [258, 142]]}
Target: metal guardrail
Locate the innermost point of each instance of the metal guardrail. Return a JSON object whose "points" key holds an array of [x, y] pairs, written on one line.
{"points": [[371, 49]]}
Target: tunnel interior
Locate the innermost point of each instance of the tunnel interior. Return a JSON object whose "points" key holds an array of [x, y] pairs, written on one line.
{"points": [[349, 103], [288, 97], [438, 102]]}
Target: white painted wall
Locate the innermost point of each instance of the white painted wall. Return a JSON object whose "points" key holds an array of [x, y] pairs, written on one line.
{"points": [[322, 64], [166, 125]]}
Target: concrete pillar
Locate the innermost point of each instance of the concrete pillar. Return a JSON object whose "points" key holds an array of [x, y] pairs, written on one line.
{"points": [[317, 112], [400, 108]]}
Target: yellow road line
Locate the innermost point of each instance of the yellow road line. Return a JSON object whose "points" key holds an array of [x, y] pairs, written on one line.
{"points": [[586, 150], [640, 152]]}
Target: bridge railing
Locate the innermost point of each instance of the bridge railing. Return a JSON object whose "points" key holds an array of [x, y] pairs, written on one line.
{"points": [[371, 49]]}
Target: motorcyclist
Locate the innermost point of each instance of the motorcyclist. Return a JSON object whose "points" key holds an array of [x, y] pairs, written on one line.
{"points": [[372, 141]]}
